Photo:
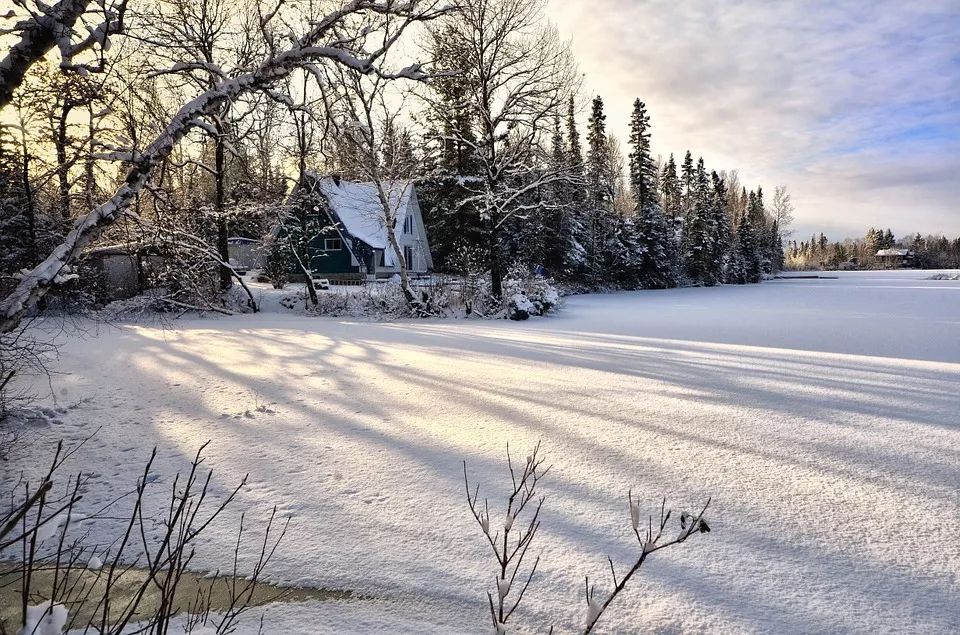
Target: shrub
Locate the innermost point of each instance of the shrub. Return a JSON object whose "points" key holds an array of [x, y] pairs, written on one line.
{"points": [[527, 294]]}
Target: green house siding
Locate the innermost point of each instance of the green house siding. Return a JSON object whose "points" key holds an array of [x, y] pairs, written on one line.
{"points": [[330, 261]]}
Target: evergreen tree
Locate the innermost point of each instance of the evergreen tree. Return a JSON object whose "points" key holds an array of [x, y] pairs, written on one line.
{"points": [[560, 226], [600, 192], [776, 259], [650, 242], [575, 153], [671, 192], [576, 260], [643, 171], [700, 231], [749, 252], [758, 223], [17, 229], [688, 180], [599, 181], [721, 227]]}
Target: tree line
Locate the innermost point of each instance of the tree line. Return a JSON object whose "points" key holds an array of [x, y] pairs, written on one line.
{"points": [[170, 126]]}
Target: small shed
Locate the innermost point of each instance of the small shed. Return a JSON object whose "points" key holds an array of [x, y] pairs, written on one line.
{"points": [[118, 271], [246, 253]]}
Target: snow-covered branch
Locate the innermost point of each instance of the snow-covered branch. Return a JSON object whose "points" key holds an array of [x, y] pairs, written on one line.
{"points": [[51, 26], [38, 34], [510, 547]]}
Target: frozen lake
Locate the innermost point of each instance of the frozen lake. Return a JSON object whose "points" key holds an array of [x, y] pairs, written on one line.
{"points": [[822, 416]]}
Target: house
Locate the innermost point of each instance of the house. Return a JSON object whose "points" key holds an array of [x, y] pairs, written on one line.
{"points": [[353, 243], [895, 258]]}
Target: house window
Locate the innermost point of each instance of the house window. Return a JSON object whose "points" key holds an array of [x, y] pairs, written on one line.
{"points": [[332, 244], [408, 224], [408, 257]]}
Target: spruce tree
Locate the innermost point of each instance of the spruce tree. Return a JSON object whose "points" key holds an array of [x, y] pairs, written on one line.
{"points": [[670, 190], [700, 234], [600, 186], [575, 256], [18, 228], [721, 227], [748, 250], [599, 193], [776, 261], [643, 171], [688, 181], [649, 240], [575, 153]]}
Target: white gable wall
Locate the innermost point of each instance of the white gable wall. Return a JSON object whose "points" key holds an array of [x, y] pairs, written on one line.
{"points": [[417, 239]]}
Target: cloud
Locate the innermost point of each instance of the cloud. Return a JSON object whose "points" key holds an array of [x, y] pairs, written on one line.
{"points": [[854, 105]]}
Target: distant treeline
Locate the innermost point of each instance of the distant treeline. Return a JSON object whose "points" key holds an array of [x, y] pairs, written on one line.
{"points": [[933, 251]]}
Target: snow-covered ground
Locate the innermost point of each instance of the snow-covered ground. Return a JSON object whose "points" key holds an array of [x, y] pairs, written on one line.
{"points": [[822, 416]]}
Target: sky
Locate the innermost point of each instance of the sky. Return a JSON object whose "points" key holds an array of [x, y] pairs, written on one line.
{"points": [[853, 105]]}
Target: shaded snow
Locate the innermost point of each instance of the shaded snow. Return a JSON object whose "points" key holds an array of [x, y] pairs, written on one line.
{"points": [[822, 416]]}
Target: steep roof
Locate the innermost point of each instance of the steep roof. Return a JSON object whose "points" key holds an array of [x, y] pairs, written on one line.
{"points": [[356, 207]]}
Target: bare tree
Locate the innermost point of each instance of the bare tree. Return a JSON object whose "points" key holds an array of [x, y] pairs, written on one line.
{"points": [[516, 76], [308, 117], [203, 42], [368, 121], [781, 208]]}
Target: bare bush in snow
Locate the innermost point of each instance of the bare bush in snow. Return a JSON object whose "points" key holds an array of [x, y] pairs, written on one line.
{"points": [[135, 581], [510, 549], [511, 540]]}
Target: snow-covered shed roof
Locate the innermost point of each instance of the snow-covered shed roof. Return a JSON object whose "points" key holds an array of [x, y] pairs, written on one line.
{"points": [[894, 252], [357, 206]]}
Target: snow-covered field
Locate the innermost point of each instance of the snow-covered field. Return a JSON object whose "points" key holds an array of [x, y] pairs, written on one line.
{"points": [[822, 416]]}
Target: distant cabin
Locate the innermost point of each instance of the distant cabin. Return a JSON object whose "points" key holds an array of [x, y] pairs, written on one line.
{"points": [[354, 245], [895, 258]]}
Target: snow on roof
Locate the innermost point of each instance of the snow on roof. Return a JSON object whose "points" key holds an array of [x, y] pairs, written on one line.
{"points": [[358, 208], [894, 252]]}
